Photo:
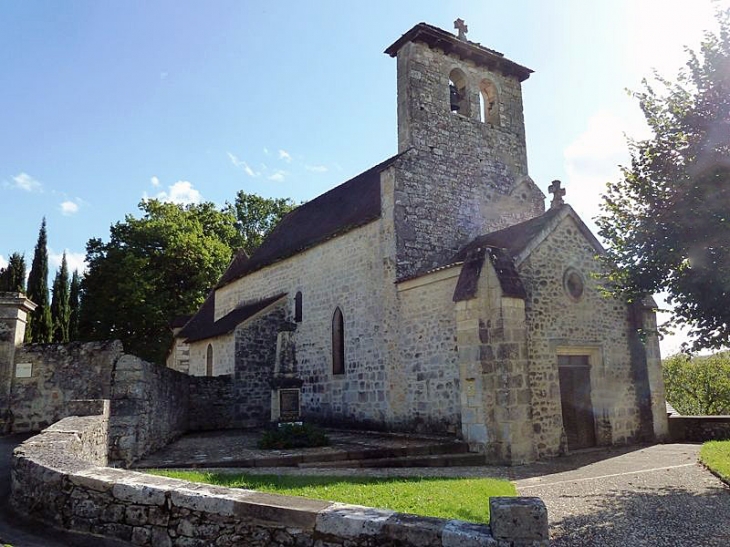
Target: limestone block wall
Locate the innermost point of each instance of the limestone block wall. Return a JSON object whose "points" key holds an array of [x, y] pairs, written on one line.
{"points": [[345, 272], [593, 324], [496, 408], [149, 408], [59, 374], [54, 482], [425, 392], [698, 429], [223, 356], [462, 177]]}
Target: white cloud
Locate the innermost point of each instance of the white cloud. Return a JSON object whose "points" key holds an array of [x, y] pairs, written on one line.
{"points": [[155, 181], [266, 151], [284, 155], [279, 176], [242, 165], [316, 168], [182, 192], [24, 181], [3, 262], [593, 159], [69, 208], [75, 261]]}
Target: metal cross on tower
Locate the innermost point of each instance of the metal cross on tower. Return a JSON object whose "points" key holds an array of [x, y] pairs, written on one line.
{"points": [[557, 193], [462, 28]]}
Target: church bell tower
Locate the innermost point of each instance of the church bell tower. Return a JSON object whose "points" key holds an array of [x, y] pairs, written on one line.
{"points": [[460, 112]]}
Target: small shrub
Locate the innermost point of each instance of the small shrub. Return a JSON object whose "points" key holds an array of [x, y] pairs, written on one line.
{"points": [[294, 436]]}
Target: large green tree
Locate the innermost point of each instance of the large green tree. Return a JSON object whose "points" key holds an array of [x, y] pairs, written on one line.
{"points": [[256, 217], [38, 329], [154, 268], [12, 278], [60, 311], [667, 220], [698, 385]]}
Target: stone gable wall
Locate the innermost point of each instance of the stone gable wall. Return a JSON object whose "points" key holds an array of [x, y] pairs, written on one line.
{"points": [[346, 271], [425, 393], [594, 322], [462, 177], [60, 374], [56, 481]]}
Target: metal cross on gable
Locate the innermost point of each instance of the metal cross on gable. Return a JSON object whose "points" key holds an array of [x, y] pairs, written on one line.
{"points": [[460, 25], [557, 193]]}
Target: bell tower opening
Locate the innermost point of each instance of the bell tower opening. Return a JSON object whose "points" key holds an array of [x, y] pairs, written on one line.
{"points": [[458, 93], [489, 102]]}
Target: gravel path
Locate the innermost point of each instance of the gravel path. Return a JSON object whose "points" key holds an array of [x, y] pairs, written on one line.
{"points": [[656, 496]]}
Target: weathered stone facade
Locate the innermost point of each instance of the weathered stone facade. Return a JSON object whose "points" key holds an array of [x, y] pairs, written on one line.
{"points": [[463, 302]]}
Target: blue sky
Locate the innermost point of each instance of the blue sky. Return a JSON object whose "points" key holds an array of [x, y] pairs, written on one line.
{"points": [[105, 103]]}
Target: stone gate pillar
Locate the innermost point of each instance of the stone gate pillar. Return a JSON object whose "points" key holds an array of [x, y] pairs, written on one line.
{"points": [[14, 310]]}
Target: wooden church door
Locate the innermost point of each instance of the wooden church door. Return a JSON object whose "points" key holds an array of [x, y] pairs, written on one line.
{"points": [[575, 399]]}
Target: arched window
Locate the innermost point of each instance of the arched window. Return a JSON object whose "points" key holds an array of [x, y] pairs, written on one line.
{"points": [[209, 361], [298, 307], [489, 101], [458, 93], [338, 343]]}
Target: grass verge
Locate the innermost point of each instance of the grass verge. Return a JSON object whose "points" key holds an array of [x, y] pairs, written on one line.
{"points": [[716, 456], [464, 499]]}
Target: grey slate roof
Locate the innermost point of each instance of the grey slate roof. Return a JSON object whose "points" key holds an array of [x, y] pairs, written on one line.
{"points": [[345, 207], [203, 324]]}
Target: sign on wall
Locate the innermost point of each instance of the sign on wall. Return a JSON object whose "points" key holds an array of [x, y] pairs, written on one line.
{"points": [[23, 370]]}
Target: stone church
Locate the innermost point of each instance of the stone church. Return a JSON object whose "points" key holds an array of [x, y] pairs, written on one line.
{"points": [[434, 292]]}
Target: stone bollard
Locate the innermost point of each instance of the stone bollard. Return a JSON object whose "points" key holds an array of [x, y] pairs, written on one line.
{"points": [[520, 521]]}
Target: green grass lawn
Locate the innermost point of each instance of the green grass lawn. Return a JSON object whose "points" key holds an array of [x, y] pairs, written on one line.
{"points": [[716, 456], [464, 499]]}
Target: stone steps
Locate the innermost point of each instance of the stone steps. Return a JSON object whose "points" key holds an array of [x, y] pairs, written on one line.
{"points": [[433, 455], [438, 460]]}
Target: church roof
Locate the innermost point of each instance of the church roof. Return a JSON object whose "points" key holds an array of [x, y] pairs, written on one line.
{"points": [[203, 324], [449, 43], [507, 248], [345, 207]]}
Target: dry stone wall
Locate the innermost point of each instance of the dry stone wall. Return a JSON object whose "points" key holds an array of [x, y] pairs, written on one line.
{"points": [[149, 408], [54, 482], [59, 374]]}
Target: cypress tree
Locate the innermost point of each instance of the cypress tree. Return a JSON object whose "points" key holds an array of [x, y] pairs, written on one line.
{"points": [[12, 278], [39, 325], [74, 301], [60, 312]]}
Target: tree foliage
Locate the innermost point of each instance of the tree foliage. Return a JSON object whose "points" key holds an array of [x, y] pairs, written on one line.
{"points": [[152, 269], [74, 300], [38, 329], [256, 217], [667, 221], [12, 278], [698, 385], [60, 311]]}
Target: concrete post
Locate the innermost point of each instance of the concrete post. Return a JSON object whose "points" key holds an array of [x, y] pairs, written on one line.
{"points": [[14, 310]]}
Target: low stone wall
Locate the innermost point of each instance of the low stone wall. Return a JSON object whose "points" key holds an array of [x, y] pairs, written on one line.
{"points": [[46, 377], [699, 428], [51, 483], [149, 408]]}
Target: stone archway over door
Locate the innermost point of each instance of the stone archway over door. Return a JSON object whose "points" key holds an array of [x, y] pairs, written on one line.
{"points": [[575, 400]]}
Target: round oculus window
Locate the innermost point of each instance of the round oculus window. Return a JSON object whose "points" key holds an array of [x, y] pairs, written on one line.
{"points": [[573, 284]]}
